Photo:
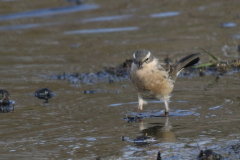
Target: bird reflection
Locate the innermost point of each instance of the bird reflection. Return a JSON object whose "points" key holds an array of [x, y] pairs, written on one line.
{"points": [[160, 131]]}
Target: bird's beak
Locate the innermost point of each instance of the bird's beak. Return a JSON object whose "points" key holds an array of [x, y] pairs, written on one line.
{"points": [[139, 65]]}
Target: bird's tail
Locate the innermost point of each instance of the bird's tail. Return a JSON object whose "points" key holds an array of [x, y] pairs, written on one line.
{"points": [[185, 62]]}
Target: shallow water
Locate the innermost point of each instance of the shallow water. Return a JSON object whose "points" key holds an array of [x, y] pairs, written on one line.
{"points": [[86, 117]]}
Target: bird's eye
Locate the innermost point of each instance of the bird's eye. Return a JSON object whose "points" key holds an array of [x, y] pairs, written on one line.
{"points": [[147, 59]]}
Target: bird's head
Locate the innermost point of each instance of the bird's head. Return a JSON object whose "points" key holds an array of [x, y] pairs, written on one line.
{"points": [[142, 57]]}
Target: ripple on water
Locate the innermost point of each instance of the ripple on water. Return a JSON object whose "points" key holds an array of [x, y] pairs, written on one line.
{"points": [[9, 0], [37, 25], [91, 139], [107, 18], [228, 24], [48, 12], [187, 149], [236, 36], [26, 26], [172, 113], [213, 108], [120, 104], [102, 30], [164, 14]]}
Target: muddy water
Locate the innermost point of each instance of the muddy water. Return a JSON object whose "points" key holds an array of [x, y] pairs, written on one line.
{"points": [[40, 40]]}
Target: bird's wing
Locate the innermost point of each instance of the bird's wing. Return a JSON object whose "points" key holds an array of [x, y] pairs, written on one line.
{"points": [[185, 62], [161, 65]]}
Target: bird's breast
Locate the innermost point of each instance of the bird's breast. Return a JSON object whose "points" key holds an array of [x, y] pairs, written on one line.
{"points": [[151, 81]]}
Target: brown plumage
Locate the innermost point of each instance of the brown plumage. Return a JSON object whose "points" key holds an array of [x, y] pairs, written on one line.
{"points": [[155, 79]]}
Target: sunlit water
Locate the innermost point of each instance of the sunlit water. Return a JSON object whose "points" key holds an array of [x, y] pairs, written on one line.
{"points": [[87, 117]]}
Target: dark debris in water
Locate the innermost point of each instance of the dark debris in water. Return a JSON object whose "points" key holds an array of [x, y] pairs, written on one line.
{"points": [[141, 140], [98, 158], [158, 115], [110, 75], [6, 105], [121, 72], [101, 91], [4, 97], [235, 148], [44, 93], [159, 156], [124, 138], [91, 92], [133, 119], [78, 2], [208, 154]]}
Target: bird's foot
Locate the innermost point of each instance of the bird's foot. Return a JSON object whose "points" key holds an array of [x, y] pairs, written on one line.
{"points": [[139, 110], [166, 114]]}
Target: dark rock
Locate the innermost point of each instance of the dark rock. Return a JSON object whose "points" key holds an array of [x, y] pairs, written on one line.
{"points": [[44, 93], [4, 97]]}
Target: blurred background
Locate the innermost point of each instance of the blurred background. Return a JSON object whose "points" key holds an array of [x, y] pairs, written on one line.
{"points": [[42, 41]]}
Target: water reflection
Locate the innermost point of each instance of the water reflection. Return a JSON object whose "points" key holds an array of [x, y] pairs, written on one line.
{"points": [[159, 131]]}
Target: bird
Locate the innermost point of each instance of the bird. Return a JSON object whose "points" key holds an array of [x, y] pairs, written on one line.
{"points": [[154, 79]]}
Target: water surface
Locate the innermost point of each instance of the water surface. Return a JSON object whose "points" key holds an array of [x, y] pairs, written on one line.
{"points": [[79, 124]]}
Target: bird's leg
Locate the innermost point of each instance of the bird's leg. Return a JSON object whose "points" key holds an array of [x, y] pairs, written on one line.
{"points": [[166, 106], [139, 110], [140, 104]]}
